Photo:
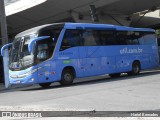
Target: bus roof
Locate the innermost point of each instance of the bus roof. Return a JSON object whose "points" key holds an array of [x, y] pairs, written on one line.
{"points": [[84, 26], [38, 28], [104, 26]]}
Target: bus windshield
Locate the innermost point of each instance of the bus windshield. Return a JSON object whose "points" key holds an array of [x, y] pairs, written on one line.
{"points": [[20, 57]]}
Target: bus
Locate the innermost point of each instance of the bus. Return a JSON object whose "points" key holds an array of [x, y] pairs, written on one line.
{"points": [[61, 52]]}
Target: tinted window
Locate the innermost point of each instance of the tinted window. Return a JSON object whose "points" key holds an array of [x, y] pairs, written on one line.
{"points": [[132, 38], [140, 37], [149, 38], [72, 38], [129, 38], [122, 37], [91, 38], [107, 38]]}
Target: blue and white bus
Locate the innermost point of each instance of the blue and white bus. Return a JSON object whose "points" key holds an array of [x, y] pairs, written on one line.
{"points": [[64, 51]]}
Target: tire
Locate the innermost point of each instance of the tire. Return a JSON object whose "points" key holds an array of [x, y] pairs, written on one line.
{"points": [[115, 75], [67, 77], [45, 85], [135, 69]]}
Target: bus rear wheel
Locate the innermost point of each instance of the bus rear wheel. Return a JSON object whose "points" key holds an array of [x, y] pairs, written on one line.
{"points": [[67, 77], [45, 85], [135, 69]]}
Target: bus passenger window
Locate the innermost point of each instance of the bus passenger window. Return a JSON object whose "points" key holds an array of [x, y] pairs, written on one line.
{"points": [[122, 37], [65, 44], [133, 38], [149, 38], [89, 38], [71, 39], [140, 38], [107, 38]]}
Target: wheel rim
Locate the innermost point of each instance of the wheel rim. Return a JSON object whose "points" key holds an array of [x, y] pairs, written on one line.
{"points": [[68, 76], [136, 69]]}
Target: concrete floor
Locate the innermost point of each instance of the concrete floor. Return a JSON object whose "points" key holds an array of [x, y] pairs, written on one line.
{"points": [[126, 93]]}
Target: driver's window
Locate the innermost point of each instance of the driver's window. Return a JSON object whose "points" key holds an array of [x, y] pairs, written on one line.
{"points": [[42, 51]]}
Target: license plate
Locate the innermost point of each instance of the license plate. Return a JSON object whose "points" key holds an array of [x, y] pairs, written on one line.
{"points": [[18, 81]]}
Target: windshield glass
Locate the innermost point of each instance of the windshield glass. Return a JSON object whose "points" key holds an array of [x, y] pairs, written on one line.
{"points": [[20, 57]]}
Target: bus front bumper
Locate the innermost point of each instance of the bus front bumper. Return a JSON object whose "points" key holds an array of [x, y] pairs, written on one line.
{"points": [[23, 77], [28, 80]]}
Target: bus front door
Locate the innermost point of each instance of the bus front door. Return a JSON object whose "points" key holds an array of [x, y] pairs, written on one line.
{"points": [[43, 61], [44, 75]]}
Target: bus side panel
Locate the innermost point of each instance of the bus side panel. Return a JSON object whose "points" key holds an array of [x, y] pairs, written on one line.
{"points": [[68, 58], [123, 63], [108, 65], [149, 58], [93, 63], [153, 60], [95, 60], [144, 61], [81, 61], [53, 71], [98, 60], [108, 59]]}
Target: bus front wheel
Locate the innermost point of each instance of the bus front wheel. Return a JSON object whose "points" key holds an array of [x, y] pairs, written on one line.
{"points": [[67, 77], [45, 85]]}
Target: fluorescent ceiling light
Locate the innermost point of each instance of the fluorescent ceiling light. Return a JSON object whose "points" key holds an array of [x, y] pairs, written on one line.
{"points": [[21, 6], [155, 14]]}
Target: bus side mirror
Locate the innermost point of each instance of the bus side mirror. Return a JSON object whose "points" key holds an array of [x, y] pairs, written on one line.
{"points": [[5, 47], [32, 43]]}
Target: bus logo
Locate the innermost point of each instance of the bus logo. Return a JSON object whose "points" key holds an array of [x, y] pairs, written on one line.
{"points": [[131, 51]]}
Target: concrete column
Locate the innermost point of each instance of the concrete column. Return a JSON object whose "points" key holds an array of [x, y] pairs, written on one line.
{"points": [[4, 41]]}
